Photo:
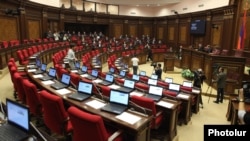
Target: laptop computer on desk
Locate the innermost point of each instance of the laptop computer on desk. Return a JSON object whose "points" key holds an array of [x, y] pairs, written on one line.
{"points": [[64, 82], [37, 65], [128, 86], [187, 84], [154, 92], [174, 88], [152, 81], [168, 80], [50, 76], [77, 66], [84, 91], [109, 79], [154, 76], [83, 70], [17, 127], [135, 77], [118, 102], [122, 74], [41, 70], [93, 75], [142, 73], [111, 70]]}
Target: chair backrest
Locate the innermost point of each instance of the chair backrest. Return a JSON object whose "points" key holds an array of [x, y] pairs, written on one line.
{"points": [[32, 98], [18, 82], [54, 113], [74, 79], [87, 127]]}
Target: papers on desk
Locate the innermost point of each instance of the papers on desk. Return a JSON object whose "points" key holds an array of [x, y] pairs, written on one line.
{"points": [[48, 82], [38, 76], [182, 96], [33, 57], [31, 66], [84, 75], [97, 80], [114, 86], [196, 91], [74, 71], [129, 118], [63, 91], [137, 93], [165, 104], [31, 70], [95, 104]]}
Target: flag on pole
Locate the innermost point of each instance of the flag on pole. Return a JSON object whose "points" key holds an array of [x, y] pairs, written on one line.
{"points": [[242, 36]]}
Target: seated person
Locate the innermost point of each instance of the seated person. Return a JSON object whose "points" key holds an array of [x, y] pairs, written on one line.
{"points": [[243, 115]]}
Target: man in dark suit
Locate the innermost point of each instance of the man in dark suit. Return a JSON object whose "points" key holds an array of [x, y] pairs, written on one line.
{"points": [[221, 83]]}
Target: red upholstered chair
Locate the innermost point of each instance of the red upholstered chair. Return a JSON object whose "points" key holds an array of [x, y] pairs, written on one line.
{"points": [[149, 104], [18, 85], [33, 100], [89, 127], [105, 90], [55, 115], [142, 87], [163, 84], [74, 79], [144, 79], [21, 58]]}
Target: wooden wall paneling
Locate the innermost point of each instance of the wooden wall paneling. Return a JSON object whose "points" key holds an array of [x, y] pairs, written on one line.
{"points": [[9, 28], [160, 33], [197, 61], [186, 61], [216, 36], [183, 34], [147, 30], [171, 33], [34, 30], [132, 30], [117, 30]]}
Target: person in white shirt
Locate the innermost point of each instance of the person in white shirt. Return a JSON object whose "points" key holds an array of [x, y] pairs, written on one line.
{"points": [[135, 62], [71, 56]]}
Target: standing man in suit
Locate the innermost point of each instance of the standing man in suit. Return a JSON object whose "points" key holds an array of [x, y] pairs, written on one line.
{"points": [[221, 83], [135, 62], [158, 71]]}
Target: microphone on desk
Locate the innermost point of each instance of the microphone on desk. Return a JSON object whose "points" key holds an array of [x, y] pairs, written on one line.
{"points": [[140, 107], [99, 93]]}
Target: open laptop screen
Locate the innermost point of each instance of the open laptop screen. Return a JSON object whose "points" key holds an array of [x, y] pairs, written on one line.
{"points": [[129, 83], [77, 65], [152, 81], [65, 79], [94, 73], [142, 73], [119, 97], [38, 62], [169, 80], [112, 70], [173, 86], [155, 90], [136, 77], [187, 83], [85, 87], [84, 68], [18, 114], [52, 72], [154, 76], [109, 78], [44, 67], [122, 73]]}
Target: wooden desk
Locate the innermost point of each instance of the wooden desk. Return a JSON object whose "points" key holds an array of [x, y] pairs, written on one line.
{"points": [[168, 64], [232, 111], [140, 131]]}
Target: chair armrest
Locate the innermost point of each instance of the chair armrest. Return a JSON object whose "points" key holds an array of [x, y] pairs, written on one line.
{"points": [[158, 113], [115, 135]]}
